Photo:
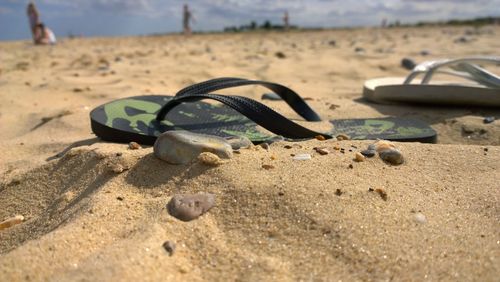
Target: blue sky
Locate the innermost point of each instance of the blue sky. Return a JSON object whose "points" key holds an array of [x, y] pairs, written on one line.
{"points": [[133, 17]]}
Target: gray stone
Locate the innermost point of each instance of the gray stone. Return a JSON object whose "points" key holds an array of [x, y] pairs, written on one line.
{"points": [[408, 64], [392, 156], [271, 96], [187, 207], [239, 142], [182, 147]]}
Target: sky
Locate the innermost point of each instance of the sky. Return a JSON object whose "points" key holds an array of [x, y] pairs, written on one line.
{"points": [[136, 17]]}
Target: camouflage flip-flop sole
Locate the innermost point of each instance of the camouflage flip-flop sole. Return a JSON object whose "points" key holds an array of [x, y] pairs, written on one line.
{"points": [[394, 129], [134, 119]]}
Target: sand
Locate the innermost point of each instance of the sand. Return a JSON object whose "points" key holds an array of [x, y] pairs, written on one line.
{"points": [[299, 220]]}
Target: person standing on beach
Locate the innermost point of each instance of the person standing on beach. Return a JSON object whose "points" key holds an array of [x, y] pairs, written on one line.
{"points": [[186, 20], [34, 18], [286, 23]]}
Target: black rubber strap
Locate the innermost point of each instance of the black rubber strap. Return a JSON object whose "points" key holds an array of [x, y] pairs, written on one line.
{"points": [[288, 95], [257, 112]]}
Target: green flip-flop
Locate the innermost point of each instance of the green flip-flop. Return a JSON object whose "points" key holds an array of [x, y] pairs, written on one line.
{"points": [[143, 118]]}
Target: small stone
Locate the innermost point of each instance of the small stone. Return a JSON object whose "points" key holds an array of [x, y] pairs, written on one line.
{"points": [[134, 146], [302, 157], [392, 156], [267, 166], [425, 52], [333, 106], [119, 198], [187, 207], [420, 218], [382, 145], [209, 159], [359, 50], [322, 151], [182, 147], [341, 137], [359, 157], [461, 39], [116, 168], [9, 222], [239, 142], [288, 147], [271, 96], [382, 193], [488, 119], [265, 146], [350, 166], [338, 192], [332, 43], [368, 153], [169, 246], [408, 64], [280, 55], [320, 137]]}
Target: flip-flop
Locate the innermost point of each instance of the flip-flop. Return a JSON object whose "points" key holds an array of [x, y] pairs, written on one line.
{"points": [[484, 89], [143, 118]]}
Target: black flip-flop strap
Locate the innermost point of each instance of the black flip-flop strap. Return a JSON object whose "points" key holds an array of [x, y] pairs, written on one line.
{"points": [[287, 94], [257, 112]]}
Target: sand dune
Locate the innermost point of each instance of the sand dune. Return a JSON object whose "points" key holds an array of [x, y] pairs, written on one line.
{"points": [[309, 220]]}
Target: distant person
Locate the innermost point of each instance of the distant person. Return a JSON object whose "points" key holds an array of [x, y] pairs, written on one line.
{"points": [[383, 24], [187, 17], [44, 36], [286, 23], [34, 18]]}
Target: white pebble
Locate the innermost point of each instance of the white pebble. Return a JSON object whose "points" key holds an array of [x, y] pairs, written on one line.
{"points": [[302, 157], [420, 218]]}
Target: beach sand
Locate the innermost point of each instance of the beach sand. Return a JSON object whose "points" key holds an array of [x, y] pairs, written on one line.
{"points": [[300, 220]]}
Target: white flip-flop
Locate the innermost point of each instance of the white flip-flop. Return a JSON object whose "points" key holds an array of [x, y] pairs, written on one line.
{"points": [[482, 89]]}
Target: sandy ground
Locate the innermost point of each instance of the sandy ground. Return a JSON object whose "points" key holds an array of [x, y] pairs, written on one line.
{"points": [[309, 220]]}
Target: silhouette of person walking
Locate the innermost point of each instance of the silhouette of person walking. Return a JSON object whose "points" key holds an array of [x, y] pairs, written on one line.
{"points": [[187, 17], [286, 23], [34, 18]]}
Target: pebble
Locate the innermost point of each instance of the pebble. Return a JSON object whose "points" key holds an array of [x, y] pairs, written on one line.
{"points": [[134, 146], [332, 43], [359, 157], [320, 137], [264, 146], [239, 142], [408, 64], [382, 193], [11, 222], [368, 153], [359, 50], [280, 55], [267, 166], [322, 151], [271, 96], [338, 192], [209, 159], [341, 137], [382, 145], [420, 218], [462, 39], [302, 157], [169, 246], [488, 119], [425, 52], [392, 156], [181, 147], [187, 207]]}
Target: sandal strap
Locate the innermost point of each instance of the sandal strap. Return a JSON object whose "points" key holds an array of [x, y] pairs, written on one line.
{"points": [[255, 111], [464, 67], [288, 95]]}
